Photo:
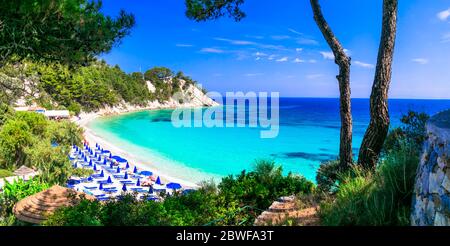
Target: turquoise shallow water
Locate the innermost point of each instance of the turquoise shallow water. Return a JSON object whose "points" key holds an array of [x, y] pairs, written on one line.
{"points": [[309, 134]]}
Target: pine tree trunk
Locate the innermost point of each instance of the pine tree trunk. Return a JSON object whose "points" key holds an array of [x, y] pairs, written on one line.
{"points": [[343, 61], [379, 115]]}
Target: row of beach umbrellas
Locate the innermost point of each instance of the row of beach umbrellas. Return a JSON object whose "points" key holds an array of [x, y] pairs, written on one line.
{"points": [[90, 158]]}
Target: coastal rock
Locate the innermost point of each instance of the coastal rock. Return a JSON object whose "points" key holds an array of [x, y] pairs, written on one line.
{"points": [[431, 198]]}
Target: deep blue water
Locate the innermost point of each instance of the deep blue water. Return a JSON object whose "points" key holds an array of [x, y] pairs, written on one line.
{"points": [[308, 134]]}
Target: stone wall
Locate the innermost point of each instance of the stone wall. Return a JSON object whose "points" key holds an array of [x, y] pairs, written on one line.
{"points": [[431, 198]]}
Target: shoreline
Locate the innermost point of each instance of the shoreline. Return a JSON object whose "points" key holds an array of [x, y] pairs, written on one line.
{"points": [[89, 135]]}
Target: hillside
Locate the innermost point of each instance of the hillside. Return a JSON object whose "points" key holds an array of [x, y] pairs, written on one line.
{"points": [[97, 87]]}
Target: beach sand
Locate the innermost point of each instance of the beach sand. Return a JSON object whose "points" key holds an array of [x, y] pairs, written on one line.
{"points": [[93, 138]]}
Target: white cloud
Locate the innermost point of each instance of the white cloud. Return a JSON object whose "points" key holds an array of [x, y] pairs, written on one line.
{"points": [[364, 65], [257, 58], [271, 57], [421, 61], [307, 41], [299, 49], [184, 45], [281, 37], [283, 59], [294, 31], [236, 42], [298, 60], [443, 15], [245, 42], [253, 74], [254, 36], [314, 76], [327, 55], [212, 50], [260, 54], [272, 47]]}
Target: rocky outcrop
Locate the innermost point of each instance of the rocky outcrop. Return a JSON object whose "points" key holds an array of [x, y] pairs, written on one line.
{"points": [[192, 97], [431, 198], [286, 209]]}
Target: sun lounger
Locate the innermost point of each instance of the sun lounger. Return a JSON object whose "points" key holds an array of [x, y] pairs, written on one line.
{"points": [[139, 190], [103, 199], [126, 182], [91, 187]]}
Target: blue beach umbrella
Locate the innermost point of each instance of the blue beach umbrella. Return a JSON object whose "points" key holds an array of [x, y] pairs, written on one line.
{"points": [[127, 166], [119, 159], [95, 167], [138, 183], [110, 155], [135, 169], [111, 165], [150, 190], [146, 173], [85, 159], [158, 181], [124, 187], [126, 176], [109, 180], [102, 174], [173, 186], [99, 158], [101, 186], [118, 170], [90, 162], [104, 161]]}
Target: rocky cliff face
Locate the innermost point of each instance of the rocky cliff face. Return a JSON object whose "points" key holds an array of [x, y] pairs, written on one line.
{"points": [[192, 97], [431, 198]]}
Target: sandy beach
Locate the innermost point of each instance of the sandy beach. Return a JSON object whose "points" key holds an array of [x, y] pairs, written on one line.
{"points": [[83, 121]]}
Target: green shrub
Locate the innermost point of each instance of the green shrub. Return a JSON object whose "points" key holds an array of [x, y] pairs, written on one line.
{"points": [[15, 136], [262, 186], [413, 130], [5, 173], [16, 191], [37, 122], [327, 176], [234, 202], [6, 112], [64, 133], [379, 199]]}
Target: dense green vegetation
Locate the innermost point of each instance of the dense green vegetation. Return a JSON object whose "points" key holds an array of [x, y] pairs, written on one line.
{"points": [[380, 197], [5, 173], [14, 192], [69, 31], [28, 138], [88, 88], [237, 200]]}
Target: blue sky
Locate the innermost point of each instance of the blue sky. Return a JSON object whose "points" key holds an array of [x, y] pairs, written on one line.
{"points": [[278, 47]]}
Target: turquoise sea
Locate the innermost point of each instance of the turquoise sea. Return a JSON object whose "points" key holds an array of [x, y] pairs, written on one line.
{"points": [[308, 135]]}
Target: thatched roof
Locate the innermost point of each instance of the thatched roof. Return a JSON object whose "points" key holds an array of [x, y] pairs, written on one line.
{"points": [[35, 209], [24, 170]]}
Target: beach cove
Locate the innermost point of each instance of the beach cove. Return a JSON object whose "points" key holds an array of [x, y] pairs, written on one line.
{"points": [[309, 135]]}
